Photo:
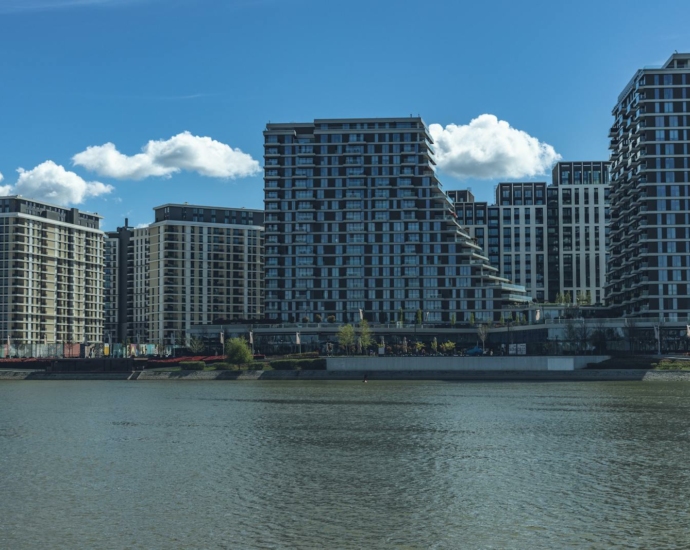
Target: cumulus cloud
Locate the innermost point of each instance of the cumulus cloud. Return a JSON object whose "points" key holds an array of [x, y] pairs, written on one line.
{"points": [[184, 151], [490, 148], [52, 183]]}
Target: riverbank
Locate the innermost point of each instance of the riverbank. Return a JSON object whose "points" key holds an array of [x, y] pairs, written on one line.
{"points": [[585, 375]]}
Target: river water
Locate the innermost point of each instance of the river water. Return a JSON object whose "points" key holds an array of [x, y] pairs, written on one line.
{"points": [[244, 465]]}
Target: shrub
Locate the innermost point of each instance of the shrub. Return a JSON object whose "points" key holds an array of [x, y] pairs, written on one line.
{"points": [[192, 365]]}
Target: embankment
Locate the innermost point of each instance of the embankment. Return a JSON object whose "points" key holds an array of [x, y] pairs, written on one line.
{"points": [[587, 375]]}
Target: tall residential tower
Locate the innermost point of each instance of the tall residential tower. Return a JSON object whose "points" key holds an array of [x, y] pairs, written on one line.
{"points": [[649, 263], [356, 221]]}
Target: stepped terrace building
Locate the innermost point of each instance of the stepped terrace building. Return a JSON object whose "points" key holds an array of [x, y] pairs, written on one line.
{"points": [[649, 262], [356, 221], [51, 276]]}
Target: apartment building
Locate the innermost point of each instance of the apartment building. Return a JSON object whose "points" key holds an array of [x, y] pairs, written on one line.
{"points": [[549, 238], [512, 231], [649, 260], [126, 285], [357, 224], [205, 264], [580, 192], [51, 281]]}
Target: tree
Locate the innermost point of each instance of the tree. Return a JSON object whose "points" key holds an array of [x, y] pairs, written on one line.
{"points": [[482, 332], [196, 345], [472, 319], [502, 320], [419, 347], [568, 298], [434, 345], [419, 316], [365, 334], [305, 319], [452, 320], [238, 351], [318, 318], [401, 317], [346, 337], [331, 318]]}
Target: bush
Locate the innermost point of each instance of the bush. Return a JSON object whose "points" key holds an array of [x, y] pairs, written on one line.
{"points": [[192, 365]]}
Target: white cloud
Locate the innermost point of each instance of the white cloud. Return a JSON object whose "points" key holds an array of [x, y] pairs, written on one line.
{"points": [[490, 148], [5, 189], [184, 151], [51, 182], [141, 225]]}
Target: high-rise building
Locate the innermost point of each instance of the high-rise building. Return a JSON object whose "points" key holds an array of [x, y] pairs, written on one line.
{"points": [[649, 259], [126, 285], [551, 239], [581, 190], [357, 224], [512, 231], [51, 276], [205, 264]]}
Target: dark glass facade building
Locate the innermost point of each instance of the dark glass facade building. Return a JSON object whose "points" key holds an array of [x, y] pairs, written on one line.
{"points": [[356, 220]]}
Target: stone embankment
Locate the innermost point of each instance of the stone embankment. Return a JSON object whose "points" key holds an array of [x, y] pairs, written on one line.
{"points": [[587, 375]]}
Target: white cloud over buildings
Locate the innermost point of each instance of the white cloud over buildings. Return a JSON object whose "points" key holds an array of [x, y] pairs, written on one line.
{"points": [[187, 152], [490, 148], [52, 183]]}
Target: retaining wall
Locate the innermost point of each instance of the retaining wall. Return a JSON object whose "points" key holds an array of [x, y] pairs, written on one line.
{"points": [[511, 363]]}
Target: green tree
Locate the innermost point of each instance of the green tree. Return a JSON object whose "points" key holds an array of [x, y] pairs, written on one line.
{"points": [[419, 316], [318, 318], [452, 320], [365, 334], [472, 319], [401, 317], [434, 345], [331, 318], [238, 351], [419, 346], [196, 345], [346, 337]]}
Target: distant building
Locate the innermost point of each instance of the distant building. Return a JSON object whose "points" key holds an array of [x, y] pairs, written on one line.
{"points": [[126, 285], [51, 281], [357, 221], [649, 261]]}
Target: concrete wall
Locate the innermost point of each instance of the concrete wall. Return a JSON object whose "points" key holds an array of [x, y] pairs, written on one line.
{"points": [[514, 363]]}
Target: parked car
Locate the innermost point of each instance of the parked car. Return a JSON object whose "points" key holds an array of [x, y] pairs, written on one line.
{"points": [[475, 351]]}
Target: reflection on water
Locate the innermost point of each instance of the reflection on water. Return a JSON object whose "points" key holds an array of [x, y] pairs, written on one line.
{"points": [[344, 465]]}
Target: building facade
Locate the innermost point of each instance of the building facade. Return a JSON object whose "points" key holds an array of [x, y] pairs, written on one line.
{"points": [[205, 264], [126, 285], [357, 225], [549, 238], [51, 281], [580, 191], [649, 261]]}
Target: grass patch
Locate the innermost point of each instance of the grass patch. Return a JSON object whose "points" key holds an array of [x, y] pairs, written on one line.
{"points": [[671, 364]]}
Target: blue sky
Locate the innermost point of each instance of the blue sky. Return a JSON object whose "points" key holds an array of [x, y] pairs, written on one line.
{"points": [[76, 74]]}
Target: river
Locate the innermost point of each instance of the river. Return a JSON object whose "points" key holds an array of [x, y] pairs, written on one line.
{"points": [[178, 465]]}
